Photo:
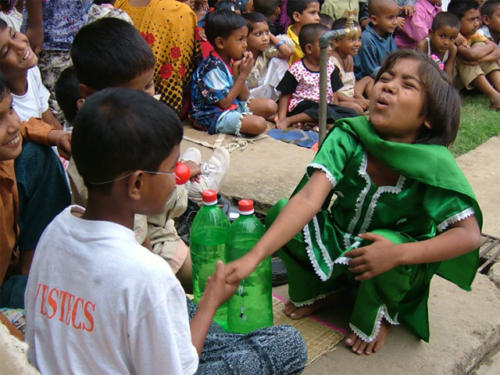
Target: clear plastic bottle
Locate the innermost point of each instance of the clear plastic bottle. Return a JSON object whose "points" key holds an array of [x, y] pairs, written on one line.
{"points": [[208, 245], [251, 307]]}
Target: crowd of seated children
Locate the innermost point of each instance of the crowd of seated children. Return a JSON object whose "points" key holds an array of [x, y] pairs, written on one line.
{"points": [[440, 44], [299, 101], [477, 61], [219, 93]]}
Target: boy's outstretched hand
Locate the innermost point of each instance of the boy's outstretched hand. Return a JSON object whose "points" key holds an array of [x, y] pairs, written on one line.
{"points": [[378, 257], [217, 289], [240, 269]]}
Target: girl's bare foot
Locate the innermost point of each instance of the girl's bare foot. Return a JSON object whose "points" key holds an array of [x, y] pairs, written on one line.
{"points": [[297, 313], [359, 346]]}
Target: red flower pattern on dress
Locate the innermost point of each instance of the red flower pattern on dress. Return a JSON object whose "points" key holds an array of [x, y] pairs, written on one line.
{"points": [[166, 71], [182, 70], [175, 52], [149, 37]]}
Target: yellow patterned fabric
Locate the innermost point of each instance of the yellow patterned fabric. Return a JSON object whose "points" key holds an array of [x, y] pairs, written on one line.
{"points": [[169, 27]]}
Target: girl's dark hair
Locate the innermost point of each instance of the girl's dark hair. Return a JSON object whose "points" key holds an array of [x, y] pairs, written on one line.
{"points": [[341, 24], [222, 23], [110, 52], [227, 5], [441, 103], [310, 33], [120, 130], [3, 24], [254, 17]]}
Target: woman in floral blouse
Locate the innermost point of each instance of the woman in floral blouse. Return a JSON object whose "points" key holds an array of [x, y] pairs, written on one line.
{"points": [[169, 27]]}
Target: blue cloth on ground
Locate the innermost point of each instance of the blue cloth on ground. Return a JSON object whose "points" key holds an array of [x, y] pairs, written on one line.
{"points": [[303, 138]]}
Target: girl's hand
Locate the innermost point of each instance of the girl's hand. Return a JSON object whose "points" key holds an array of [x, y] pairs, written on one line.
{"points": [[240, 269], [369, 261], [407, 10], [217, 289]]}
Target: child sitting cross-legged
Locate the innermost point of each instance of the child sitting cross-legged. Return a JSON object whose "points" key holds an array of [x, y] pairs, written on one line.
{"points": [[382, 208], [440, 44], [271, 54], [98, 302], [219, 91], [353, 93], [477, 61], [299, 100]]}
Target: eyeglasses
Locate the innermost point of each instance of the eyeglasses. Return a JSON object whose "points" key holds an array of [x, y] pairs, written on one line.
{"points": [[130, 174]]}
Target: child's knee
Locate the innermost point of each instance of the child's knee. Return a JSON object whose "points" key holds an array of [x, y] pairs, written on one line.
{"points": [[253, 125]]}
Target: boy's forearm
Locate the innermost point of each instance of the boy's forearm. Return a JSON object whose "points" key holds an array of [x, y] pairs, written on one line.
{"points": [[462, 238], [492, 56], [476, 52], [200, 324], [236, 90], [35, 14]]}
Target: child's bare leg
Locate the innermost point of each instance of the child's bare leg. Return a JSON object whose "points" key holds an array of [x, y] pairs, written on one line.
{"points": [[482, 84], [352, 105], [289, 121], [253, 125], [494, 78], [263, 107], [359, 346]]}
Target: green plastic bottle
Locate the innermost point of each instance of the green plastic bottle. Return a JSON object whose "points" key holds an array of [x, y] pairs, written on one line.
{"points": [[208, 245], [251, 307]]}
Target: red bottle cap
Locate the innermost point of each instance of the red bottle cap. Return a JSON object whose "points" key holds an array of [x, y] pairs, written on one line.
{"points": [[209, 197], [246, 206], [182, 173]]}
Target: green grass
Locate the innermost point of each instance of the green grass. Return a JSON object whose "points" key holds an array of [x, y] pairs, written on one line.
{"points": [[478, 123]]}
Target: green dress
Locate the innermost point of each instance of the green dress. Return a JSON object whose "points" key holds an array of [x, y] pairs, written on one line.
{"points": [[430, 195]]}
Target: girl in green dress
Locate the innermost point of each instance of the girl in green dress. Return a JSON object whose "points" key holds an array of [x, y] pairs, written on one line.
{"points": [[384, 205]]}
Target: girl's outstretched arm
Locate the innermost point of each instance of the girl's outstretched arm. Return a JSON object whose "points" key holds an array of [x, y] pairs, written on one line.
{"points": [[383, 255], [297, 213]]}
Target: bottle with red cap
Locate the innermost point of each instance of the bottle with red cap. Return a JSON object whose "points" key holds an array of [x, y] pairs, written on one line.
{"points": [[251, 307], [208, 245]]}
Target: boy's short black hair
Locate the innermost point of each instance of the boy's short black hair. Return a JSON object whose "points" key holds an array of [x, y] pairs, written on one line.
{"points": [[441, 103], [227, 5], [460, 7], [4, 87], [489, 8], [341, 24], [67, 93], [121, 130], [374, 6], [254, 17], [326, 20], [298, 6], [110, 52], [310, 33], [222, 23], [445, 19], [266, 7]]}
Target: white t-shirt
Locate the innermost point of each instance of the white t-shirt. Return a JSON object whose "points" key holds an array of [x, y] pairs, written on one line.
{"points": [[35, 100], [99, 303]]}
